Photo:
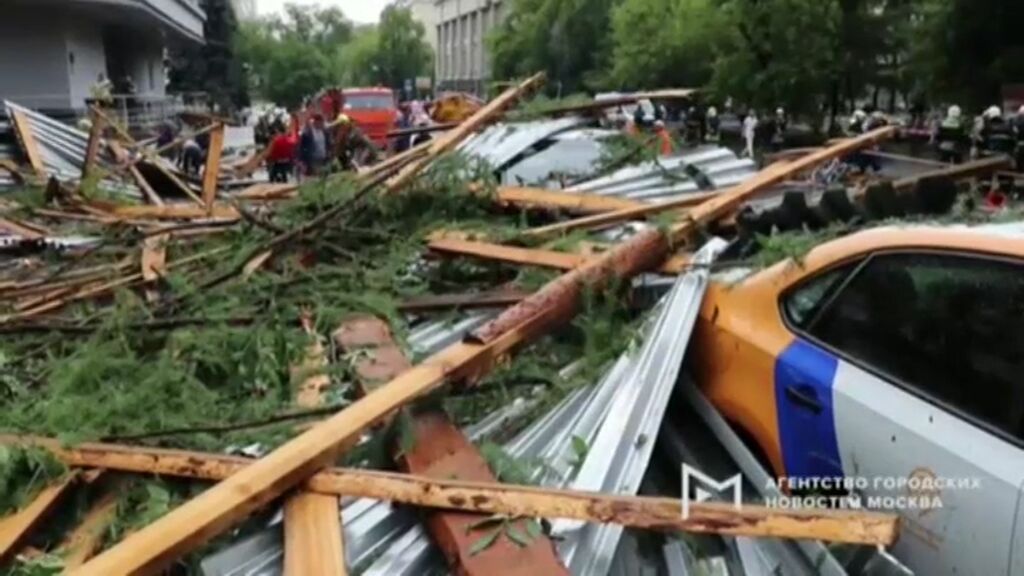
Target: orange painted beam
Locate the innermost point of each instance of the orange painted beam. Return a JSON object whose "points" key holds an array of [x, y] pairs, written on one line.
{"points": [[534, 257], [514, 501], [18, 526], [382, 358]]}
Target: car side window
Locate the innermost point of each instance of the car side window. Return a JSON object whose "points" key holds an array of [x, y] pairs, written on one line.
{"points": [[801, 305], [950, 327]]}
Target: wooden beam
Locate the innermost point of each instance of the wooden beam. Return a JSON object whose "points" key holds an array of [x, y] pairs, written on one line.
{"points": [[212, 169], [606, 219], [253, 163], [232, 500], [173, 212], [143, 185], [559, 300], [534, 257], [92, 147], [181, 186], [87, 538], [521, 197], [154, 263], [440, 450], [495, 299], [18, 526], [645, 512], [23, 128], [312, 522], [974, 169], [451, 139]]}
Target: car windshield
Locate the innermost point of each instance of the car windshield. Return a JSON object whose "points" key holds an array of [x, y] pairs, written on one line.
{"points": [[368, 102]]}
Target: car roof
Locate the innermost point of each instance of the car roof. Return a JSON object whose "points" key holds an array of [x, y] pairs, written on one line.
{"points": [[1002, 238]]}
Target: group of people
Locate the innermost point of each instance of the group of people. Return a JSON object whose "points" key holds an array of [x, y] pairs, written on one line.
{"points": [[990, 133], [319, 148]]}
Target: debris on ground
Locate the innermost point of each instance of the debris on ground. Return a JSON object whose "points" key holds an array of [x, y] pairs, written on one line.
{"points": [[186, 357]]}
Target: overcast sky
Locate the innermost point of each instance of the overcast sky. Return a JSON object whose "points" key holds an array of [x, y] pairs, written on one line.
{"points": [[361, 11]]}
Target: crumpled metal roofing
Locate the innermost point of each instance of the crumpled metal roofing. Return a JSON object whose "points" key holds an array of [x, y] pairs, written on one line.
{"points": [[62, 150], [574, 152], [499, 144]]}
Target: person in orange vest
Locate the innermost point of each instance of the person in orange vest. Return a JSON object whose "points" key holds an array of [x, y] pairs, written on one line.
{"points": [[665, 145]]}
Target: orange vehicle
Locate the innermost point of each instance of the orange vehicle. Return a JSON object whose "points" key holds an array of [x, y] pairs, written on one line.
{"points": [[374, 110]]}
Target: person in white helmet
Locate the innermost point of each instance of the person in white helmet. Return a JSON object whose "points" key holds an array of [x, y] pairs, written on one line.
{"points": [[856, 125], [996, 133], [951, 136], [713, 127]]}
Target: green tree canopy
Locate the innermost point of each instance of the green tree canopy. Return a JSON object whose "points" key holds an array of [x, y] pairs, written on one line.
{"points": [[402, 53], [214, 67], [569, 39]]}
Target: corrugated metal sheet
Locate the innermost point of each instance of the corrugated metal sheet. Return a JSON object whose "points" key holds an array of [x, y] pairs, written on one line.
{"points": [[501, 143], [621, 452], [575, 153]]}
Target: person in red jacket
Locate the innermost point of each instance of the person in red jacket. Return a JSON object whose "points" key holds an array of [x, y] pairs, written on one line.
{"points": [[281, 156], [665, 145]]}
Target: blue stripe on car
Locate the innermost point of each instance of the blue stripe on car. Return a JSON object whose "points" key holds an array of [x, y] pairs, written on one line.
{"points": [[809, 444]]}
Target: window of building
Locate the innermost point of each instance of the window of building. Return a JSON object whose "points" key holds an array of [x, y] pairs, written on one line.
{"points": [[947, 327]]}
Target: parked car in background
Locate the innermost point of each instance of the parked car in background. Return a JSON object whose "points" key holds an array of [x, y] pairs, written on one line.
{"points": [[893, 357], [374, 110]]}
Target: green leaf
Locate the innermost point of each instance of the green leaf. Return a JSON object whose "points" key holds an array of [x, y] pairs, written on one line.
{"points": [[534, 529], [484, 543], [580, 448], [489, 521], [520, 539]]}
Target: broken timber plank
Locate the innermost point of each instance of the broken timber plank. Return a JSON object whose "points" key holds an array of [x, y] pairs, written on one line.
{"points": [[441, 451], [92, 147], [154, 263], [212, 169], [16, 527], [522, 197], [233, 499], [534, 257], [313, 538], [28, 142], [558, 301], [653, 513], [381, 359], [173, 212], [973, 169], [451, 139], [495, 299], [83, 542], [143, 185]]}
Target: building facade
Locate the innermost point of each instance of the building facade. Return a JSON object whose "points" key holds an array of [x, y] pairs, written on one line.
{"points": [[53, 51], [462, 61]]}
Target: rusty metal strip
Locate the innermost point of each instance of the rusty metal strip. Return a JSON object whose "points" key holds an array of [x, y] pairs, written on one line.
{"points": [[378, 357], [488, 498], [441, 451]]}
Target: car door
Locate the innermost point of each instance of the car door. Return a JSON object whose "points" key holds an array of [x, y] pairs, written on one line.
{"points": [[916, 359]]}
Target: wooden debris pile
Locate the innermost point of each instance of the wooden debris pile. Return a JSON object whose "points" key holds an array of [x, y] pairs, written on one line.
{"points": [[202, 324]]}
